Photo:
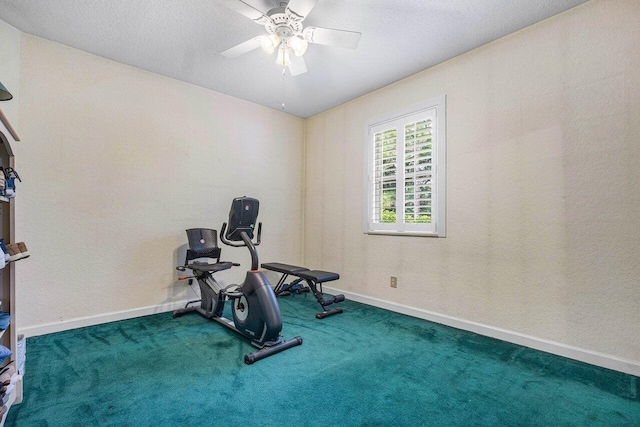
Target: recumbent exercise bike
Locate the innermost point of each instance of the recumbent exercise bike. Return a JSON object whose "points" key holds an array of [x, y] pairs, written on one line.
{"points": [[256, 314]]}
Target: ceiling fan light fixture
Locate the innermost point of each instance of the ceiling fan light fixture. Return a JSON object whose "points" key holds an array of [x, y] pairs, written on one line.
{"points": [[298, 45], [269, 43], [283, 57], [286, 32]]}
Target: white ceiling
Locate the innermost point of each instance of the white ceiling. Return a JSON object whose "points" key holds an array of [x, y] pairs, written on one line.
{"points": [[183, 39]]}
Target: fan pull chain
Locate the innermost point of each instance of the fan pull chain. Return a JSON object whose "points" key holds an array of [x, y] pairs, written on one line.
{"points": [[283, 71]]}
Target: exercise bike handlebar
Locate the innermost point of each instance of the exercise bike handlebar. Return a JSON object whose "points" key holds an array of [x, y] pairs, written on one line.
{"points": [[238, 244], [246, 241]]}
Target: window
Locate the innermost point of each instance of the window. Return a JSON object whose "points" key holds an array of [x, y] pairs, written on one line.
{"points": [[405, 176]]}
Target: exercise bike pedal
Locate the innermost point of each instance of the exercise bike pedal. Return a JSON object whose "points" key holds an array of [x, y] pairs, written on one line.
{"points": [[232, 293]]}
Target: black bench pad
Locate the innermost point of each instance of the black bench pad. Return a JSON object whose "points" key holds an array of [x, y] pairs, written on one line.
{"points": [[284, 268], [202, 266], [318, 276]]}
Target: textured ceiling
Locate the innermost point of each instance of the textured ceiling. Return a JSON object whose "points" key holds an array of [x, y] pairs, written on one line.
{"points": [[183, 40]]}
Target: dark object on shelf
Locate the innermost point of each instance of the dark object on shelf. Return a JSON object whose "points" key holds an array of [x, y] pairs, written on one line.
{"points": [[10, 176], [4, 353], [5, 320]]}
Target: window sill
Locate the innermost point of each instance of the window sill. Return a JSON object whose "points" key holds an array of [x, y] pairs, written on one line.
{"points": [[402, 233]]}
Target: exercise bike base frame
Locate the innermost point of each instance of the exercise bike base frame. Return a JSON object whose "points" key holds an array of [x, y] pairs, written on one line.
{"points": [[266, 350]]}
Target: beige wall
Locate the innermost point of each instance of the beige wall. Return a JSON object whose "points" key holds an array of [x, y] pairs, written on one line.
{"points": [[543, 186], [117, 162], [10, 70], [543, 234]]}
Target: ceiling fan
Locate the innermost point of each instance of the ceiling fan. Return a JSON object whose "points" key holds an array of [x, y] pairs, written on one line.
{"points": [[286, 33]]}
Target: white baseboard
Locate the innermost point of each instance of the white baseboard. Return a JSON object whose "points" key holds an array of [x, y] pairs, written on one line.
{"points": [[582, 355], [81, 322]]}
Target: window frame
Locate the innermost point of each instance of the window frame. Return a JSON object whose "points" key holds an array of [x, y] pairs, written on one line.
{"points": [[398, 119]]}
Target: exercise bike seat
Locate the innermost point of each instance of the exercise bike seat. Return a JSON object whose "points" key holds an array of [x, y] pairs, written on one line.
{"points": [[204, 267]]}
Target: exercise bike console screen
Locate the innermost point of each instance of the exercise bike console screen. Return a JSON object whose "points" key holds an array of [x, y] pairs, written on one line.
{"points": [[242, 217]]}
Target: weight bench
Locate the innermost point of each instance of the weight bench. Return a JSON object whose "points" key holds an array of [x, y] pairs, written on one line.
{"points": [[313, 279]]}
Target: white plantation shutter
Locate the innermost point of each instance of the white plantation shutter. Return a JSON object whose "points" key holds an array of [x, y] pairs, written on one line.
{"points": [[385, 176], [419, 174], [405, 194]]}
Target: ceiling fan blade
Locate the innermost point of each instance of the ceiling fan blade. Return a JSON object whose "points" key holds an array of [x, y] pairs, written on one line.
{"points": [[242, 48], [301, 8], [297, 65], [329, 37], [247, 10]]}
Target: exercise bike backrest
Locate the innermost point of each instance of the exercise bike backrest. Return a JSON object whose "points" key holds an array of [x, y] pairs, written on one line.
{"points": [[203, 243], [242, 221]]}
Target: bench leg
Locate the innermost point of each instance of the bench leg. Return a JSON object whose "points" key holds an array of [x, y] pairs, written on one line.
{"points": [[278, 289], [324, 301]]}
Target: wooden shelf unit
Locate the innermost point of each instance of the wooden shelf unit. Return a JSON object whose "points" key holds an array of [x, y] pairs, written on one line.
{"points": [[9, 339]]}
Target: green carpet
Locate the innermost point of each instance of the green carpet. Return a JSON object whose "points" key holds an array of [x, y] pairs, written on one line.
{"points": [[366, 367]]}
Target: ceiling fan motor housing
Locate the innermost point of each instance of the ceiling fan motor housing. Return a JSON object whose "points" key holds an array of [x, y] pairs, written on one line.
{"points": [[284, 23], [287, 34]]}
